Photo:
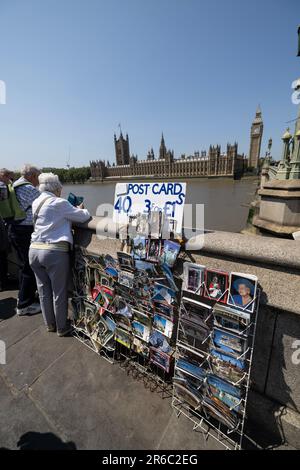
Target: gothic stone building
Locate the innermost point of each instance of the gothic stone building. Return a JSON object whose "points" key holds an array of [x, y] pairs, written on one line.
{"points": [[213, 163]]}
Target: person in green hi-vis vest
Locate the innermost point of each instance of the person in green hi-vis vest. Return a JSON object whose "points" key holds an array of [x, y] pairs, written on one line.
{"points": [[6, 214]]}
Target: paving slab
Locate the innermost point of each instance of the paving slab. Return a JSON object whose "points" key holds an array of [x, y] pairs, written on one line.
{"points": [[29, 357], [17, 328], [18, 416]]}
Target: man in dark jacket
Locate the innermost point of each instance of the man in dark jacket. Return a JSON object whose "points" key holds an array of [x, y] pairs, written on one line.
{"points": [[20, 236]]}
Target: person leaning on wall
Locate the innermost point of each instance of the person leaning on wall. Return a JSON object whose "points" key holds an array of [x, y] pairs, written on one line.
{"points": [[49, 253], [20, 235]]}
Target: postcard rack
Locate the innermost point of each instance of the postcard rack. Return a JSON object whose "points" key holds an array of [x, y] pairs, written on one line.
{"points": [[120, 330], [86, 323], [197, 374], [85, 330]]}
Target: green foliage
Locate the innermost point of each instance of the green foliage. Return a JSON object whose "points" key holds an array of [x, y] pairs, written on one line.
{"points": [[71, 175], [250, 215]]}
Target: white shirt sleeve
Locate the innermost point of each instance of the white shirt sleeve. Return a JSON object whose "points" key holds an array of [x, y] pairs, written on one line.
{"points": [[71, 213]]}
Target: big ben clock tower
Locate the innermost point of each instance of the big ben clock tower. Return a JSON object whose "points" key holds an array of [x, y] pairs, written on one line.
{"points": [[255, 139]]}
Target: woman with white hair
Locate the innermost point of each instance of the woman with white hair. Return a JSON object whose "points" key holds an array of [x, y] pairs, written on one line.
{"points": [[49, 250]]}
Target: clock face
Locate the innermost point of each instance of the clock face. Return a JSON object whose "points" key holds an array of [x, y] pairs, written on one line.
{"points": [[256, 130]]}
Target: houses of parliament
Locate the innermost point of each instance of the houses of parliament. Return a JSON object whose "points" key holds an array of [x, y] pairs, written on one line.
{"points": [[213, 163]]}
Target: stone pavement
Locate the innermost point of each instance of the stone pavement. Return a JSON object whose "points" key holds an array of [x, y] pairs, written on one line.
{"points": [[66, 396]]}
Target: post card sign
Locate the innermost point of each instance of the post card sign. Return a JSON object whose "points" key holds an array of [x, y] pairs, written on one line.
{"points": [[132, 199]]}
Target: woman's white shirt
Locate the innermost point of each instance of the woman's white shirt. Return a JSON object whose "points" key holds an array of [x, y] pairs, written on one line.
{"points": [[54, 221]]}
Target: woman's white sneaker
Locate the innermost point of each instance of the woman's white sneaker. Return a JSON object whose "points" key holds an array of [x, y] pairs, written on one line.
{"points": [[30, 310]]}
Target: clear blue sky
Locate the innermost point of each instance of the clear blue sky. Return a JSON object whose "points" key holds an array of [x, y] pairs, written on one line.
{"points": [[195, 69]]}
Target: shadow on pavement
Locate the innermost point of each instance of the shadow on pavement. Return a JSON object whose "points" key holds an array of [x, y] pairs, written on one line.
{"points": [[42, 441], [7, 308]]}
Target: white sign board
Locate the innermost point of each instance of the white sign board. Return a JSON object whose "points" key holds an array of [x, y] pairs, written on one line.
{"points": [[132, 199]]}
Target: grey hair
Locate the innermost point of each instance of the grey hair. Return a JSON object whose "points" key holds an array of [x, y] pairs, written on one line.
{"points": [[29, 170], [5, 172], [49, 182]]}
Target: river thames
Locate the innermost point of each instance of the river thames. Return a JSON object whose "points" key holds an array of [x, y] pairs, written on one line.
{"points": [[225, 200]]}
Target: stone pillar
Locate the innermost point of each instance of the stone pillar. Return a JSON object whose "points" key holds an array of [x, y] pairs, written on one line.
{"points": [[295, 162], [284, 166]]}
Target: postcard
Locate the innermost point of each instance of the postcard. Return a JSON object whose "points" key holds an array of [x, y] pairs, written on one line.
{"points": [[94, 261], [145, 306], [155, 219], [169, 252], [122, 322], [105, 280], [169, 276], [80, 281], [219, 411], [194, 384], [216, 285], [142, 278], [112, 271], [163, 325], [123, 337], [106, 291], [140, 347], [139, 247], [141, 317], [165, 309], [242, 291], [101, 299], [185, 395], [140, 330], [186, 352], [162, 293], [229, 343], [143, 288], [231, 319], [145, 266], [124, 293], [160, 359], [227, 367], [196, 312], [159, 341], [142, 224], [126, 278], [154, 248], [83, 309], [224, 391], [104, 333], [122, 307], [126, 261], [193, 278], [194, 336], [110, 261], [190, 368]]}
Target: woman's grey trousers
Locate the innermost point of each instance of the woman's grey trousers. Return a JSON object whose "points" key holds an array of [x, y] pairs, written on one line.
{"points": [[51, 269]]}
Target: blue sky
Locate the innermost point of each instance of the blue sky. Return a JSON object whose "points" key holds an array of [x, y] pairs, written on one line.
{"points": [[195, 69]]}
